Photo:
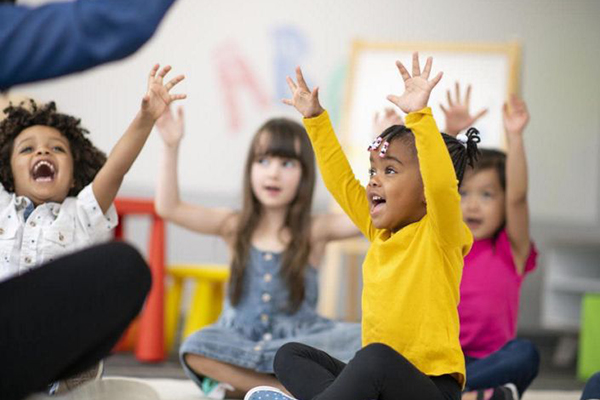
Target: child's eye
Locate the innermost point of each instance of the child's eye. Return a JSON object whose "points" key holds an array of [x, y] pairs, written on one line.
{"points": [[262, 161], [289, 163], [59, 149], [371, 171], [390, 170], [488, 195], [27, 149]]}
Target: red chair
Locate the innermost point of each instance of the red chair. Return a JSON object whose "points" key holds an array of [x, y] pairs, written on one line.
{"points": [[149, 346]]}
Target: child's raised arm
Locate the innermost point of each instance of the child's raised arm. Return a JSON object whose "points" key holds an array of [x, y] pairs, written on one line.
{"points": [[516, 117], [211, 221], [437, 171], [333, 164], [458, 116], [107, 182]]}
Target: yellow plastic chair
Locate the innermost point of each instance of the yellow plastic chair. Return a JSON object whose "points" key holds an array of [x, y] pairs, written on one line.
{"points": [[207, 298]]}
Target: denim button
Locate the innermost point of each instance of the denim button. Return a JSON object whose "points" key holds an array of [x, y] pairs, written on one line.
{"points": [[268, 256], [267, 336], [264, 317], [257, 348], [268, 277], [266, 297]]}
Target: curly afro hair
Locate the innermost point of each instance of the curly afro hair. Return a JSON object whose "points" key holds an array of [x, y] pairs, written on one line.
{"points": [[87, 159]]}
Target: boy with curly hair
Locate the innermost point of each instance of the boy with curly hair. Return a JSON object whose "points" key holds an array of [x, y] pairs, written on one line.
{"points": [[57, 189]]}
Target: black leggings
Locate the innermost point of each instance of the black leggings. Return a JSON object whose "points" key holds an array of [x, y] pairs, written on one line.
{"points": [[67, 315], [376, 372]]}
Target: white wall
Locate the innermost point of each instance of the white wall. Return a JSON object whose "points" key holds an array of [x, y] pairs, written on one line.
{"points": [[561, 54]]}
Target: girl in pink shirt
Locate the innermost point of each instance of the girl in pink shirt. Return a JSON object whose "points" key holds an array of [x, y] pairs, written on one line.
{"points": [[494, 206]]}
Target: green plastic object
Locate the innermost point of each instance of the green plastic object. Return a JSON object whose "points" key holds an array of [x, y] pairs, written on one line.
{"points": [[588, 361]]}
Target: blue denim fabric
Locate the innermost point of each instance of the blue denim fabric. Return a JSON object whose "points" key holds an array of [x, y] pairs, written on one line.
{"points": [[249, 334], [517, 362]]}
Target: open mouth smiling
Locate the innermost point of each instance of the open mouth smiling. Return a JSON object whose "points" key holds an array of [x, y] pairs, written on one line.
{"points": [[43, 171], [377, 203]]}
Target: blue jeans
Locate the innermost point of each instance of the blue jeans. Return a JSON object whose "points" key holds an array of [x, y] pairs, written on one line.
{"points": [[592, 388], [517, 362]]}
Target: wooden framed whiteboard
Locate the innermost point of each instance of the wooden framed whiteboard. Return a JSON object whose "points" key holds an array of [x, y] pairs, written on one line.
{"points": [[492, 69]]}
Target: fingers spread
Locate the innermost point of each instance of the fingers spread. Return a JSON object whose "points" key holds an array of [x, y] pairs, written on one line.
{"points": [[480, 114], [300, 78], [468, 96], [291, 84], [416, 68], [174, 82], [393, 99], [403, 71], [457, 88], [427, 69], [164, 72], [436, 79], [450, 102]]}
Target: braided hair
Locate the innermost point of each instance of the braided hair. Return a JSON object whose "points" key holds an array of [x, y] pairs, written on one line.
{"points": [[462, 155]]}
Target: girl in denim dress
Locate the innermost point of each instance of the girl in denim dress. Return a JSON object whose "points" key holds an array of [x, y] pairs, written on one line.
{"points": [[275, 245]]}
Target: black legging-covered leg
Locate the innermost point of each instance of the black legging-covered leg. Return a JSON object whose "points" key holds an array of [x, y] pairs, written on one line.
{"points": [[67, 315], [376, 372]]}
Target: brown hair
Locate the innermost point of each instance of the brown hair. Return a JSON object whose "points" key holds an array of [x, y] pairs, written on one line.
{"points": [[495, 160], [87, 159], [287, 139]]}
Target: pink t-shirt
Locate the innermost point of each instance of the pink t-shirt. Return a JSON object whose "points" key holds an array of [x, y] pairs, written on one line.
{"points": [[489, 296]]}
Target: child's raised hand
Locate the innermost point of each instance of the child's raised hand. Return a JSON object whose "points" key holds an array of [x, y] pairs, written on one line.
{"points": [[171, 129], [417, 87], [515, 115], [158, 98], [457, 114], [303, 99], [385, 119]]}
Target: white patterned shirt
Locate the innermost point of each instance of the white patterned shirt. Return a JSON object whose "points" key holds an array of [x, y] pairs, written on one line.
{"points": [[50, 230]]}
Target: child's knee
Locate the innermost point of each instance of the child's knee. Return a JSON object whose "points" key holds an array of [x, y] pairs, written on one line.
{"points": [[199, 364], [283, 356], [529, 355], [378, 355], [130, 269]]}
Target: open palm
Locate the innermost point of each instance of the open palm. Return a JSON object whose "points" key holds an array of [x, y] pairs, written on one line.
{"points": [[515, 115], [458, 116], [158, 98], [417, 87], [303, 99], [171, 128]]}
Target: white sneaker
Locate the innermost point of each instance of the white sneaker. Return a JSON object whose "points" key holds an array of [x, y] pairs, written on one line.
{"points": [[215, 390], [266, 393]]}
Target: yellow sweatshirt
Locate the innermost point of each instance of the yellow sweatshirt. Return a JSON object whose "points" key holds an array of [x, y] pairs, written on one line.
{"points": [[411, 277]]}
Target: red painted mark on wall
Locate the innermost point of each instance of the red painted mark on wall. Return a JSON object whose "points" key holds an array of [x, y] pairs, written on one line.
{"points": [[235, 78]]}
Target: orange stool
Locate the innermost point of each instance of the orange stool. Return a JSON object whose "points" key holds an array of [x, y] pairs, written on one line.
{"points": [[150, 341]]}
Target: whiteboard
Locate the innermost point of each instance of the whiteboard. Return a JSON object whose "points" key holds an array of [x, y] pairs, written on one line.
{"points": [[491, 70]]}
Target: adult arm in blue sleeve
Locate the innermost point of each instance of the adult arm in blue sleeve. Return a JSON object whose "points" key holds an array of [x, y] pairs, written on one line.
{"points": [[60, 38]]}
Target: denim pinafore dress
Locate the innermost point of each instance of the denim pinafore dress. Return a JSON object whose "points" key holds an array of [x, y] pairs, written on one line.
{"points": [[249, 334]]}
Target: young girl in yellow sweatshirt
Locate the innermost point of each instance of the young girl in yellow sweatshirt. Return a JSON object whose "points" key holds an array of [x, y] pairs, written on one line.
{"points": [[410, 212]]}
